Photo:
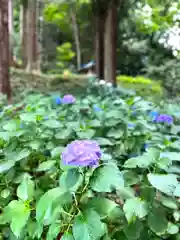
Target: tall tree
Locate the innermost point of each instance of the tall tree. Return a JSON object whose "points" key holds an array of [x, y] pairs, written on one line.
{"points": [[32, 36], [24, 31], [4, 50]]}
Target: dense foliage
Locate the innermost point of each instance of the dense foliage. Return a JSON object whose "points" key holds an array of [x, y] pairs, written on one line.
{"points": [[133, 193]]}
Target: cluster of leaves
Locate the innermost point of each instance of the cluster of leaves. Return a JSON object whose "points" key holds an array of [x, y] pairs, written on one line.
{"points": [[133, 194], [141, 83]]}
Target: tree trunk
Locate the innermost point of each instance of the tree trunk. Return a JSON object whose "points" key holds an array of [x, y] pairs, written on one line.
{"points": [[4, 50], [99, 46], [24, 32], [32, 37], [76, 36], [110, 44], [40, 7]]}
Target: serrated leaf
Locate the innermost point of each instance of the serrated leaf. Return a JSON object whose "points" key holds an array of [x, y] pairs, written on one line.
{"points": [[104, 142], [166, 183], [57, 151], [45, 166], [44, 207], [102, 206], [52, 124], [53, 231], [87, 134], [135, 207], [5, 166], [106, 178], [25, 190], [18, 215], [67, 236], [71, 179], [64, 134], [168, 202], [157, 221], [88, 226]]}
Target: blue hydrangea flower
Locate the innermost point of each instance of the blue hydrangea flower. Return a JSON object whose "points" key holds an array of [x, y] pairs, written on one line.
{"points": [[46, 118], [134, 113], [68, 99], [164, 118], [82, 153], [153, 115], [96, 108], [131, 125], [21, 125], [58, 100], [145, 146]]}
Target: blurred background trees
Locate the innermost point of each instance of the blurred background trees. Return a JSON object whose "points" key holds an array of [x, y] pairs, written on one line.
{"points": [[51, 36]]}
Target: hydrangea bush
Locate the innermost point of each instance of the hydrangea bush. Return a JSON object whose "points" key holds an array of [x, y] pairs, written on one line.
{"points": [[98, 167]]}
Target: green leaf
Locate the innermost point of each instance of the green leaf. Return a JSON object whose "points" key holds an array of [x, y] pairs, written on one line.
{"points": [[71, 179], [67, 236], [173, 156], [53, 231], [64, 134], [18, 215], [172, 228], [28, 117], [5, 166], [6, 135], [25, 190], [143, 161], [10, 126], [44, 207], [21, 155], [88, 226], [157, 221], [87, 134], [106, 178], [168, 202], [104, 142], [57, 151], [133, 230], [52, 124], [5, 193], [135, 207], [125, 192], [45, 166], [102, 206], [167, 184]]}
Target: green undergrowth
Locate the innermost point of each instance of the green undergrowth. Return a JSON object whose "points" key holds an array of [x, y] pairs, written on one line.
{"points": [[134, 192], [143, 86]]}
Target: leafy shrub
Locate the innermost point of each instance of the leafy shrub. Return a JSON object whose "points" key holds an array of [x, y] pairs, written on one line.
{"points": [[169, 73], [132, 194], [141, 84]]}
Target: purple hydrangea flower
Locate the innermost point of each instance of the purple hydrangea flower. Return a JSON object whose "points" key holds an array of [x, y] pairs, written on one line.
{"points": [[68, 99], [82, 153], [164, 118], [58, 100]]}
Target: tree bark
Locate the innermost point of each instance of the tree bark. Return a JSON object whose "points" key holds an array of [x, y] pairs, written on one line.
{"points": [[4, 50], [76, 36], [32, 37], [110, 44], [99, 46], [24, 32]]}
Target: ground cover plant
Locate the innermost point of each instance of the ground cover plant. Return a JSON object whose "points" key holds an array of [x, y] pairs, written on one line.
{"points": [[103, 165]]}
